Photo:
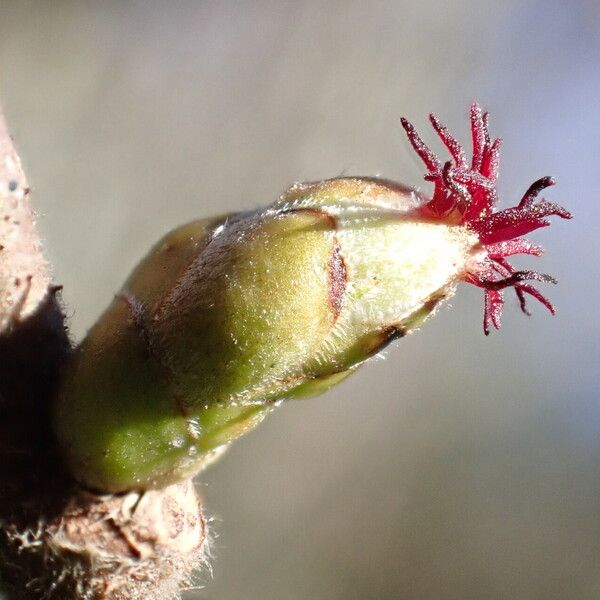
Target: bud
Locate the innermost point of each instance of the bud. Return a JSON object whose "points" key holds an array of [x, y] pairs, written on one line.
{"points": [[227, 317]]}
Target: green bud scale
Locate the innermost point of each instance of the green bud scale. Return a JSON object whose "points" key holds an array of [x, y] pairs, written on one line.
{"points": [[226, 317]]}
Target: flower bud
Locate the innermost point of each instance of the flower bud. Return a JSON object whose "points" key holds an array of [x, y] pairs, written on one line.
{"points": [[226, 317]]}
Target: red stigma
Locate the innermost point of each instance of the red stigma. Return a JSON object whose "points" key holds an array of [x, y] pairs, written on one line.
{"points": [[465, 194]]}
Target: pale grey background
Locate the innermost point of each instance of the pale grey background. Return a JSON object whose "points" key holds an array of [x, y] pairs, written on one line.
{"points": [[458, 468]]}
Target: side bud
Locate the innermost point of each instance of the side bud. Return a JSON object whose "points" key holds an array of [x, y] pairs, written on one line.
{"points": [[226, 317]]}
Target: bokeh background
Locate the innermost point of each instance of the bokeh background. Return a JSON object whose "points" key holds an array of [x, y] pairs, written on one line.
{"points": [[457, 468]]}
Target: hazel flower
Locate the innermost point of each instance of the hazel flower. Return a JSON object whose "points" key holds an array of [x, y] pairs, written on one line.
{"points": [[465, 194], [226, 317]]}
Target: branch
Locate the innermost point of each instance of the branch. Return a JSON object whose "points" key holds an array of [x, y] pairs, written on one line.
{"points": [[57, 540], [24, 272]]}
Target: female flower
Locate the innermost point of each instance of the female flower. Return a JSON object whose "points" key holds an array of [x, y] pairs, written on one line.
{"points": [[226, 317]]}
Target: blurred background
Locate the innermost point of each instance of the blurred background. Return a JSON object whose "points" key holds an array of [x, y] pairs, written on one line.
{"points": [[457, 468]]}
